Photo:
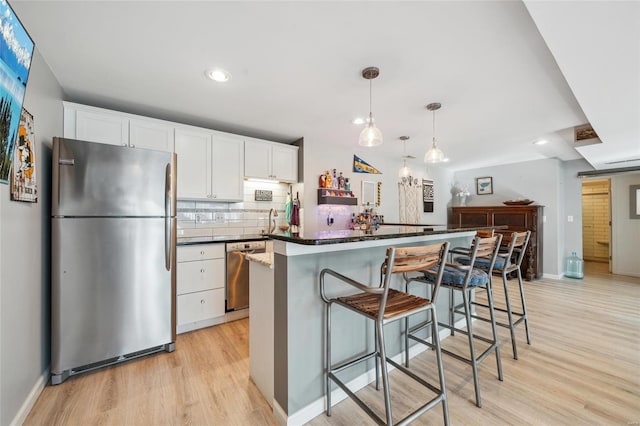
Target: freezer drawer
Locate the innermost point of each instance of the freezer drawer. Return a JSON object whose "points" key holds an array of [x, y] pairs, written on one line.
{"points": [[112, 293]]}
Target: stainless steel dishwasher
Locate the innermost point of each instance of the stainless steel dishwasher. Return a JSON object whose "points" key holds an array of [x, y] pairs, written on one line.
{"points": [[237, 291]]}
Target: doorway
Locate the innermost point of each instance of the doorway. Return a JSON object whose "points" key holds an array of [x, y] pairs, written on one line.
{"points": [[596, 221]]}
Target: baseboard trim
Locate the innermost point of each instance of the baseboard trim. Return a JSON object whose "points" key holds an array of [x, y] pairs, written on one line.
{"points": [[31, 399], [552, 276], [317, 407]]}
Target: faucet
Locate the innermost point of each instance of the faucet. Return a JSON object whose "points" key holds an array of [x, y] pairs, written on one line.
{"points": [[271, 226]]}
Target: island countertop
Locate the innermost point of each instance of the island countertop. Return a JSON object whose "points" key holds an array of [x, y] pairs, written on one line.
{"points": [[384, 232]]}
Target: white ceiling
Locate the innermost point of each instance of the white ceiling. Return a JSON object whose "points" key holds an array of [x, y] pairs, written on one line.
{"points": [[296, 70]]}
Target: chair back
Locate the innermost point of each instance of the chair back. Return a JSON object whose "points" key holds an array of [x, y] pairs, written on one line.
{"points": [[485, 233], [413, 259], [516, 243], [488, 248]]}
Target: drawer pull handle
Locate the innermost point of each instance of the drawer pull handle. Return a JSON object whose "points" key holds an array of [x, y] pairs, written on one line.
{"points": [[202, 301], [202, 252], [202, 270]]}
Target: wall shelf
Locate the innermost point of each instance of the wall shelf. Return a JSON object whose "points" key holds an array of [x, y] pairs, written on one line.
{"points": [[339, 196]]}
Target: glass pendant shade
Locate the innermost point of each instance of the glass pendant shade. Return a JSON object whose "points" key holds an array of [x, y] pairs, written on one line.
{"points": [[434, 154], [405, 171], [370, 135]]}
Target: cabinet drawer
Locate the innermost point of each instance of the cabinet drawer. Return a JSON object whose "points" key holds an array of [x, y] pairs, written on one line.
{"points": [[200, 252], [200, 306], [200, 275]]}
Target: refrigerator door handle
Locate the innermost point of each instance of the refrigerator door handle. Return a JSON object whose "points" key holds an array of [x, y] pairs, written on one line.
{"points": [[167, 218], [67, 162]]}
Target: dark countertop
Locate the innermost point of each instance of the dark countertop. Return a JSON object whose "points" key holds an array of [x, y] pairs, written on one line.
{"points": [[384, 232], [184, 241]]}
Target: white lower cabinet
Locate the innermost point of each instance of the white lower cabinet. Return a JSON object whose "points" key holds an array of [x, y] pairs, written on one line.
{"points": [[200, 286], [200, 306]]}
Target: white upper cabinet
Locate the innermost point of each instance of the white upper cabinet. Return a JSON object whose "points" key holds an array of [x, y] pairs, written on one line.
{"points": [[227, 167], [151, 134], [193, 149], [116, 128], [210, 165], [270, 160], [103, 127]]}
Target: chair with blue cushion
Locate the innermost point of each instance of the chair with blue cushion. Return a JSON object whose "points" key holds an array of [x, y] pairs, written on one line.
{"points": [[383, 305], [507, 263], [466, 279]]}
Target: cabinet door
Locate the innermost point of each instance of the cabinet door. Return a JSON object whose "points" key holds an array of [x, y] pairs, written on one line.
{"points": [[257, 159], [193, 149], [284, 163], [102, 127], [151, 134], [227, 168]]}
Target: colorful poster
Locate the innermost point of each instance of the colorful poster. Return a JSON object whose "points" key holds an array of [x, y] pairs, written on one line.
{"points": [[361, 166], [16, 50], [23, 177]]}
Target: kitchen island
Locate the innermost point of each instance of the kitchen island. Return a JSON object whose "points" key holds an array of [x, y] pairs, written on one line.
{"points": [[298, 392]]}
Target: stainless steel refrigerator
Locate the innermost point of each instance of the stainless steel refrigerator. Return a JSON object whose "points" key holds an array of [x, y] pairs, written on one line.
{"points": [[113, 255]]}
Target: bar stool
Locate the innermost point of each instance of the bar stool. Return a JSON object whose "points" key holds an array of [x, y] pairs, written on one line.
{"points": [[466, 279], [383, 305], [508, 261]]}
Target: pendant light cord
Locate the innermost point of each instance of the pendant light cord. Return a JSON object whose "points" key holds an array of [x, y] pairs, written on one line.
{"points": [[434, 127], [370, 102]]}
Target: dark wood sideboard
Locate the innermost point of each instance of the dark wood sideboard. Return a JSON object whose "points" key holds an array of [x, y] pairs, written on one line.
{"points": [[516, 218]]}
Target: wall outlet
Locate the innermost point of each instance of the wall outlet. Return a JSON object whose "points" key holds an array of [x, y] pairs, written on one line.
{"points": [[219, 218]]}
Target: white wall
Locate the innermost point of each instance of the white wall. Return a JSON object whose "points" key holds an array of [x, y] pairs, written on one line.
{"points": [[320, 155], [25, 260], [539, 180], [625, 231], [572, 201]]}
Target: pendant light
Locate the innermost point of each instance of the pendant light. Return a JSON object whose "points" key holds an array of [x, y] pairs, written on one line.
{"points": [[370, 135], [405, 171], [434, 154]]}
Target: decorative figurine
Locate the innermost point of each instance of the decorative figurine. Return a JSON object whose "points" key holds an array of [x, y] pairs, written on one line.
{"points": [[334, 181], [341, 182], [323, 181], [328, 180], [347, 184]]}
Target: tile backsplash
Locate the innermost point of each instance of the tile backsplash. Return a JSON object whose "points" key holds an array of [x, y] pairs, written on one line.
{"points": [[205, 218]]}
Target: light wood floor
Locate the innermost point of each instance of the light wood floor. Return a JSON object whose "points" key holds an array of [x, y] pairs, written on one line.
{"points": [[583, 367]]}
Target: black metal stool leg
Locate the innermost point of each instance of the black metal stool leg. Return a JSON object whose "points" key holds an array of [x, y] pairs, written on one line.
{"points": [[385, 373], [327, 329], [524, 307], [494, 328], [435, 338], [472, 350], [452, 316], [509, 315]]}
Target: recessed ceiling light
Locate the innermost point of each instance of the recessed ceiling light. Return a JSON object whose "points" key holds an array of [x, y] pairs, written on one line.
{"points": [[218, 74], [541, 142]]}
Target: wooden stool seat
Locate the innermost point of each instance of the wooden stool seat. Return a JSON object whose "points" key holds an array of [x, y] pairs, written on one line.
{"points": [[398, 303]]}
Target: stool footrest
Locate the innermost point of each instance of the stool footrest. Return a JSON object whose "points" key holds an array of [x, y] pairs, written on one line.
{"points": [[353, 361]]}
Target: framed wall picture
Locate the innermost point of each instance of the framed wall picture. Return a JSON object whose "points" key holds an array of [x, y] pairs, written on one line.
{"points": [[24, 186], [484, 185]]}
